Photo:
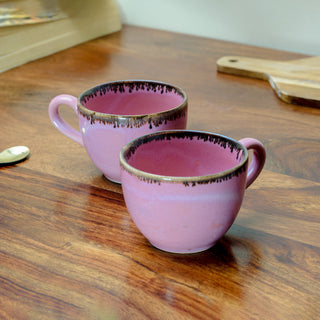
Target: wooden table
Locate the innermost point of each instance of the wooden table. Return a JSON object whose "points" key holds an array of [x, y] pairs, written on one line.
{"points": [[68, 248]]}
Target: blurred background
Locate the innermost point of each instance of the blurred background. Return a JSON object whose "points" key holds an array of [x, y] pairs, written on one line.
{"points": [[289, 25]]}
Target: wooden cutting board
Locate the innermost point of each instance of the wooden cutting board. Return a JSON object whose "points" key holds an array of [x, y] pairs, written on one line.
{"points": [[294, 81]]}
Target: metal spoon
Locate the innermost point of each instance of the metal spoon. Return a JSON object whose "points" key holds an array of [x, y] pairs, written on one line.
{"points": [[13, 155]]}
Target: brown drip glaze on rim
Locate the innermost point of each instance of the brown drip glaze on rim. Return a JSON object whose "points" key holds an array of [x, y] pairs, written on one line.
{"points": [[225, 142], [130, 121]]}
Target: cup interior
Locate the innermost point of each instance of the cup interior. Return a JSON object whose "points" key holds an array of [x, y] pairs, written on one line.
{"points": [[132, 97], [184, 154]]}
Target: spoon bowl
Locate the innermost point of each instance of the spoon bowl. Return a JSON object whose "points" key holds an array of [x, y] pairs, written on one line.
{"points": [[13, 155]]}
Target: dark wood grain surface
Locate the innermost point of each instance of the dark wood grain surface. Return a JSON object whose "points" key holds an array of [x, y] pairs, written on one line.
{"points": [[68, 248]]}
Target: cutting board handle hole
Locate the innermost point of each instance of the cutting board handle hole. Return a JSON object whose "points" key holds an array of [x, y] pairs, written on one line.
{"points": [[233, 60]]}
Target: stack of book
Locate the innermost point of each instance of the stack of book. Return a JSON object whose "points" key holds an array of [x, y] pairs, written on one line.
{"points": [[31, 29]]}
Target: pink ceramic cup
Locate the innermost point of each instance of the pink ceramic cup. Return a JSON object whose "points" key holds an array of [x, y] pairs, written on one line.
{"points": [[112, 114], [183, 189]]}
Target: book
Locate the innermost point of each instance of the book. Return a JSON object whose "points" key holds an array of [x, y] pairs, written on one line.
{"points": [[32, 29]]}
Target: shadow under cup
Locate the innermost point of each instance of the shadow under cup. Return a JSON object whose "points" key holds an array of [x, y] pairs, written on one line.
{"points": [[183, 189]]}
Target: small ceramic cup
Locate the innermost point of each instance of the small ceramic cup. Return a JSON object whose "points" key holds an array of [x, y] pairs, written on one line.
{"points": [[112, 114], [183, 189]]}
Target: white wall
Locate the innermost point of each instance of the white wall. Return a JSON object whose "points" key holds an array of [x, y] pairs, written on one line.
{"points": [[292, 25]]}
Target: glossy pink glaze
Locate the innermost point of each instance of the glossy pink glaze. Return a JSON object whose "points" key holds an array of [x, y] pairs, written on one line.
{"points": [[134, 103], [182, 158], [197, 196], [110, 119]]}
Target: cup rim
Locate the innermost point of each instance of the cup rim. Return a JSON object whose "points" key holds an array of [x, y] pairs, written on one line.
{"points": [[129, 120], [186, 180]]}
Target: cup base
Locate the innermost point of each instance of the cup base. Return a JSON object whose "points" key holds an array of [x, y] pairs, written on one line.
{"points": [[111, 180], [183, 250]]}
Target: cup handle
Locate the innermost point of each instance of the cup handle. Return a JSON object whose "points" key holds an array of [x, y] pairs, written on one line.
{"points": [[258, 158], [58, 122]]}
